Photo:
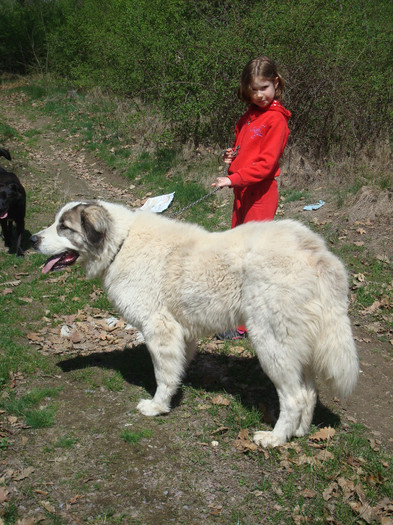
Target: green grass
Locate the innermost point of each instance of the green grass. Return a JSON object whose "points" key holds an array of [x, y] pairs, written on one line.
{"points": [[133, 437], [8, 132], [96, 126], [65, 442], [293, 195], [26, 406]]}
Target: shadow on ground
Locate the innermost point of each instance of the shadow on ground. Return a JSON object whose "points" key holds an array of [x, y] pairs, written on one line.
{"points": [[241, 377]]}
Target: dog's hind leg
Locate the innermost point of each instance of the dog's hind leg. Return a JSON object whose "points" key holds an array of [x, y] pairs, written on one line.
{"points": [[310, 400], [297, 399], [167, 349]]}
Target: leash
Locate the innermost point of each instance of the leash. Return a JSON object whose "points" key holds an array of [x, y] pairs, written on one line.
{"points": [[194, 203], [234, 154]]}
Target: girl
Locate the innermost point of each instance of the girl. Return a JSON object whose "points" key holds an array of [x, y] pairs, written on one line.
{"points": [[260, 138]]}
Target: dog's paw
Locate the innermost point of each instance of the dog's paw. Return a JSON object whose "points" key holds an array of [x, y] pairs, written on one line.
{"points": [[302, 430], [267, 439], [148, 407]]}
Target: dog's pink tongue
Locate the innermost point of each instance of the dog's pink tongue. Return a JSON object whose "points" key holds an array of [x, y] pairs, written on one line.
{"points": [[3, 215], [50, 263]]}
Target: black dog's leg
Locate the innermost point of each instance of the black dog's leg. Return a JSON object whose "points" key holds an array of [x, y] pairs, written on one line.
{"points": [[20, 228], [6, 230]]}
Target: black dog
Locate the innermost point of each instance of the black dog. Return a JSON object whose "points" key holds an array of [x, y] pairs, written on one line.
{"points": [[12, 206]]}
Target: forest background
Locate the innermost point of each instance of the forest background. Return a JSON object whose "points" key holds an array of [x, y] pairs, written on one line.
{"points": [[184, 58]]}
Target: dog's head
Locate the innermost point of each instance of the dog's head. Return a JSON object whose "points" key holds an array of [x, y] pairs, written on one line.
{"points": [[79, 230]]}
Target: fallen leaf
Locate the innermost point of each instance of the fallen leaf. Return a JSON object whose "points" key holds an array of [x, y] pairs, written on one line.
{"points": [[347, 486], [24, 474], [215, 510], [33, 336], [41, 492], [243, 442], [220, 400], [324, 434], [308, 493], [375, 306], [220, 430], [3, 494], [330, 491], [47, 506], [76, 337], [383, 258], [365, 511]]}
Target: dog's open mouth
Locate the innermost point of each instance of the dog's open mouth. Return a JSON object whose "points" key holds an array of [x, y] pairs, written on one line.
{"points": [[57, 262], [3, 214]]}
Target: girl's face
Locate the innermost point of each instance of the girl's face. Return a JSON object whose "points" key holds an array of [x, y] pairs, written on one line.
{"points": [[262, 91]]}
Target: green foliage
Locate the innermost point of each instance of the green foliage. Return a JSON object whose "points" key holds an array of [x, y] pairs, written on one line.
{"points": [[134, 437], [185, 57], [26, 406], [24, 29], [7, 132], [65, 442]]}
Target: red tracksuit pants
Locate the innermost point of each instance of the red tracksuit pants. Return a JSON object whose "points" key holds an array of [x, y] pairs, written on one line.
{"points": [[255, 203]]}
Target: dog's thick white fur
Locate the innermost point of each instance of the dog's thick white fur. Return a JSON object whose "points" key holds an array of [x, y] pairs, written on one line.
{"points": [[176, 282]]}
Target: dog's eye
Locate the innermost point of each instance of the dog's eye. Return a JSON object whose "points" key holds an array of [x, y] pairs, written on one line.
{"points": [[62, 227]]}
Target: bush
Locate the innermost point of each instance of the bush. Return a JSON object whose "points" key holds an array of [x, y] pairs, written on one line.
{"points": [[185, 58]]}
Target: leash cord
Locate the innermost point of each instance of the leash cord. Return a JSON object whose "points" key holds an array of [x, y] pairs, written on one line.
{"points": [[193, 203]]}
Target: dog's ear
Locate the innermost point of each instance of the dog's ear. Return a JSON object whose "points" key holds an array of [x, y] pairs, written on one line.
{"points": [[95, 222]]}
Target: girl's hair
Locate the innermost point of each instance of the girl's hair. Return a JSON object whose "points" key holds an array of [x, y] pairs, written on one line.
{"points": [[262, 67]]}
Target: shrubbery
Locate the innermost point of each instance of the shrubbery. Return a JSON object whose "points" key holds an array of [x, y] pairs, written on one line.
{"points": [[185, 58]]}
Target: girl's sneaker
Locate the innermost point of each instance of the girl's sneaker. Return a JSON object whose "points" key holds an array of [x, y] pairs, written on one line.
{"points": [[232, 335]]}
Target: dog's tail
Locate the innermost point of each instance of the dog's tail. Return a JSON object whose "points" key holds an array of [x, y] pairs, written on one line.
{"points": [[335, 358], [5, 153]]}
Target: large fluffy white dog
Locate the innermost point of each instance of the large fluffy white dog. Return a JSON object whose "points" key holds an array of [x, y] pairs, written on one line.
{"points": [[175, 282]]}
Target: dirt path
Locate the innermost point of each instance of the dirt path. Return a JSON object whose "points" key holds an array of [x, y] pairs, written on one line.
{"points": [[77, 175], [192, 481]]}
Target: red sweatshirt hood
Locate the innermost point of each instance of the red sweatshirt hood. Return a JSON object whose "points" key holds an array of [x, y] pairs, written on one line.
{"points": [[255, 111]]}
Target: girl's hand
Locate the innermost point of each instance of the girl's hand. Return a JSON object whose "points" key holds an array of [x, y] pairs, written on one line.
{"points": [[228, 156], [222, 182]]}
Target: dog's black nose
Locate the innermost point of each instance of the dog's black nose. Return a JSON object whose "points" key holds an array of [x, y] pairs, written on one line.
{"points": [[34, 240]]}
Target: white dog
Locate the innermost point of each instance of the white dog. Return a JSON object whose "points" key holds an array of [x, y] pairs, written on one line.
{"points": [[176, 282]]}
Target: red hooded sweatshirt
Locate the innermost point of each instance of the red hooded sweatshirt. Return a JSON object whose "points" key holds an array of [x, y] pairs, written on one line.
{"points": [[261, 135]]}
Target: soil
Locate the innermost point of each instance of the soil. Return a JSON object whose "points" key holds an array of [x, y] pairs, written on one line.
{"points": [[179, 476]]}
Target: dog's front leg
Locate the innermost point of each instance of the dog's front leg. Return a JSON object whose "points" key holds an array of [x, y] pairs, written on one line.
{"points": [[167, 349], [6, 231], [20, 228]]}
